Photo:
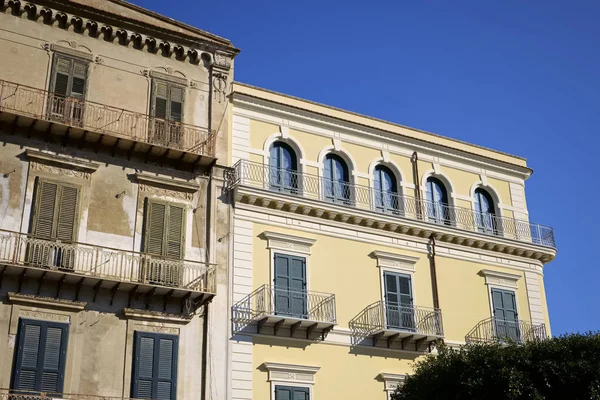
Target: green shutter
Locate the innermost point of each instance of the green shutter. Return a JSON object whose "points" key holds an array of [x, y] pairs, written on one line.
{"points": [[62, 73], [398, 301], [79, 78], [291, 393], [67, 208], [176, 106], [164, 229], [155, 366], [175, 232], [41, 356], [290, 285], [45, 205]]}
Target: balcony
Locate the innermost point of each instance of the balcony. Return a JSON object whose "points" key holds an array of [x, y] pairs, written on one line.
{"points": [[29, 110], [84, 264], [409, 215], [10, 394], [295, 314], [400, 327], [500, 331]]}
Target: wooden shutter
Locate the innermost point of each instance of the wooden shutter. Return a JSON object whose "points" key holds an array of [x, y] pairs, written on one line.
{"points": [[291, 393], [155, 227], [79, 79], [62, 74], [45, 206], [160, 100], [175, 222], [41, 356], [165, 229], [176, 106], [155, 366], [66, 213]]}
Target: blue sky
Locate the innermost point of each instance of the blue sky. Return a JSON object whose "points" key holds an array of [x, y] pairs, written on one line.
{"points": [[517, 76]]}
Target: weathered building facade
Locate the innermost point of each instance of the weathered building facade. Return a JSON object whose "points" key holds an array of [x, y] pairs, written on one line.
{"points": [[359, 243], [113, 226]]}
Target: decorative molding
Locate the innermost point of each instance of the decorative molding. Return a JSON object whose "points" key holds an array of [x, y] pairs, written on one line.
{"points": [[167, 187], [71, 51], [223, 60], [280, 241], [392, 381], [500, 278], [53, 163], [156, 329], [46, 302], [393, 260], [291, 373], [46, 316], [221, 86], [168, 76], [145, 315]]}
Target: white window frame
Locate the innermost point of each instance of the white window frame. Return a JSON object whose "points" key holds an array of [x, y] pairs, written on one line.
{"points": [[281, 243], [396, 264], [302, 376], [502, 281], [391, 382]]}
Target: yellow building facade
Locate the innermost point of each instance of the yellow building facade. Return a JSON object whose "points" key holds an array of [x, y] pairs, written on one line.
{"points": [[358, 244]]}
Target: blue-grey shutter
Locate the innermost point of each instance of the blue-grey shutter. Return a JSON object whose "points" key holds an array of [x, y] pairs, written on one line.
{"points": [[398, 299], [155, 366], [291, 393], [505, 314], [290, 285], [41, 356]]}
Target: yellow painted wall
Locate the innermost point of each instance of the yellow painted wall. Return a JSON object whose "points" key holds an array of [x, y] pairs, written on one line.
{"points": [[345, 268]]}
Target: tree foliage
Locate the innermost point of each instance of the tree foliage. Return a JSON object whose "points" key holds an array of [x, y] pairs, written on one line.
{"points": [[565, 367]]}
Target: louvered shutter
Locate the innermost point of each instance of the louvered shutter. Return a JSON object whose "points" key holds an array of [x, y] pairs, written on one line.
{"points": [[176, 106], [79, 78], [43, 223], [62, 73], [155, 228], [155, 366], [175, 232], [301, 394], [41, 356], [161, 99], [65, 224], [291, 393]]}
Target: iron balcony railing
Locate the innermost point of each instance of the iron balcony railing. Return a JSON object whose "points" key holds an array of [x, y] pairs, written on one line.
{"points": [[499, 330], [11, 394], [268, 301], [383, 315], [106, 263], [104, 119], [262, 176]]}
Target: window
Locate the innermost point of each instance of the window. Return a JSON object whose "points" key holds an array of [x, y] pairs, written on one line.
{"points": [[167, 108], [283, 168], [336, 179], [54, 219], [163, 238], [506, 318], [291, 393], [399, 301], [41, 355], [437, 208], [68, 85], [386, 190], [485, 213], [154, 366], [290, 286]]}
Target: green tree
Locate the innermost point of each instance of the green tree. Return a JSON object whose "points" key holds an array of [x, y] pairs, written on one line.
{"points": [[565, 368]]}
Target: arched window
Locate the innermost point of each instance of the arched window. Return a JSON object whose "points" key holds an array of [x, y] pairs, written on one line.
{"points": [[386, 190], [336, 179], [283, 167], [485, 212], [437, 207]]}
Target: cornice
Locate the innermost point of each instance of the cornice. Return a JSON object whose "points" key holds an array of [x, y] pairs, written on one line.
{"points": [[48, 158], [314, 118], [391, 224], [173, 184], [125, 31], [45, 302], [146, 315]]}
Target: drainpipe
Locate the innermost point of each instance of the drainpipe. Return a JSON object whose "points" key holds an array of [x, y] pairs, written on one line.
{"points": [[415, 162], [432, 268]]}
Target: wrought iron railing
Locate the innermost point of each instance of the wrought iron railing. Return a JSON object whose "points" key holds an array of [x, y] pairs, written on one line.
{"points": [[104, 119], [106, 263], [383, 315], [499, 330], [262, 176], [268, 300], [11, 394]]}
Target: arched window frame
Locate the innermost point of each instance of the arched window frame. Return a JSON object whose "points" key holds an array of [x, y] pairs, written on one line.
{"points": [[333, 191], [438, 213], [489, 225], [281, 178], [382, 202]]}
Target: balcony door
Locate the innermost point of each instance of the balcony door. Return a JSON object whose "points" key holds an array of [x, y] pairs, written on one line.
{"points": [[336, 179], [506, 319], [399, 302], [283, 168], [290, 286]]}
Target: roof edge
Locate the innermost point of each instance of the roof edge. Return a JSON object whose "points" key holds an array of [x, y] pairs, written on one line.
{"points": [[379, 124]]}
